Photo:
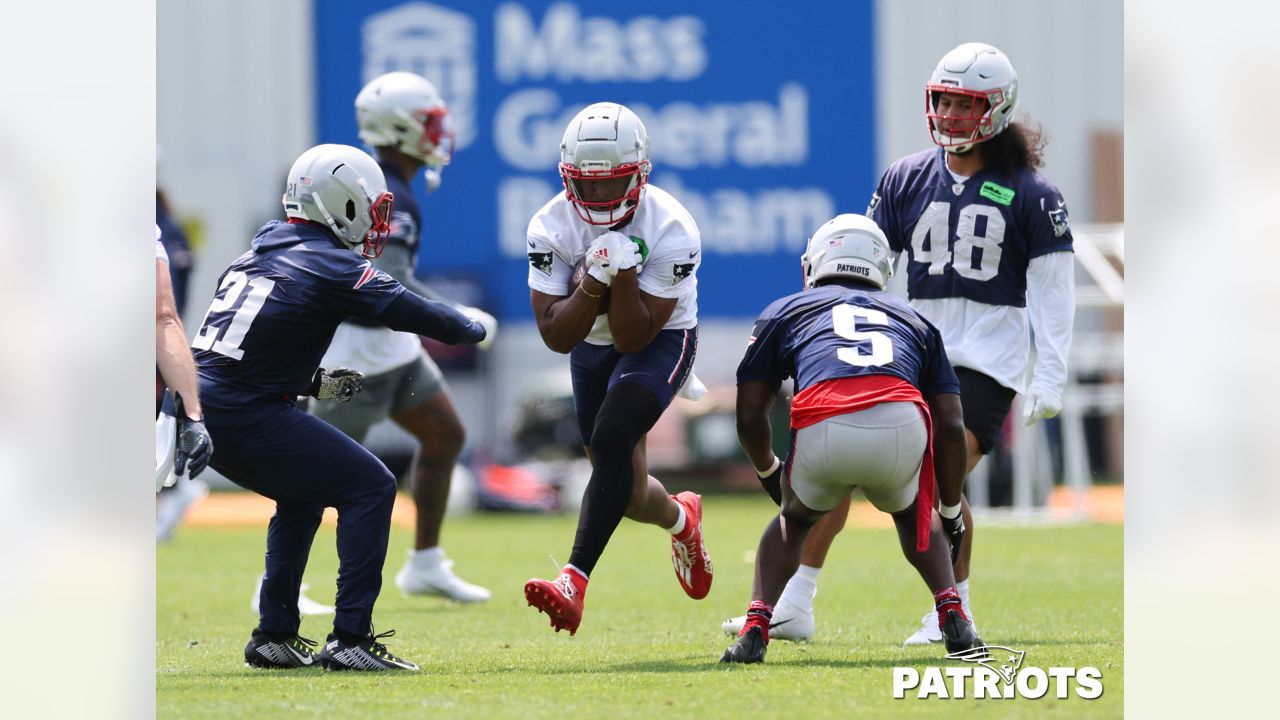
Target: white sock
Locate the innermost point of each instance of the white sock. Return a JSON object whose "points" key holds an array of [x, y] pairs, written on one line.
{"points": [[963, 589], [801, 588], [679, 526], [428, 558], [577, 570]]}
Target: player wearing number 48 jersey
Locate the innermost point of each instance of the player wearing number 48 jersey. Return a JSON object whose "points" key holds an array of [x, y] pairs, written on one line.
{"points": [[259, 347], [876, 403], [989, 263]]}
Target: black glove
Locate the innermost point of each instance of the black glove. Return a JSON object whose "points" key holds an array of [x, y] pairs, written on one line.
{"points": [[955, 530], [772, 484], [195, 447], [339, 384]]}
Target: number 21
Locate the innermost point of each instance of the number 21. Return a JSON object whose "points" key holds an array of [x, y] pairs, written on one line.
{"points": [[234, 283]]}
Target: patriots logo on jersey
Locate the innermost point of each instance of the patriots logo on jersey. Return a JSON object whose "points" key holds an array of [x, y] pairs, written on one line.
{"points": [[369, 273], [541, 262], [681, 271], [1059, 219]]}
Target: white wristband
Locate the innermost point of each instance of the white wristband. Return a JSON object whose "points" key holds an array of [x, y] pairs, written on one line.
{"points": [[949, 511], [774, 466]]}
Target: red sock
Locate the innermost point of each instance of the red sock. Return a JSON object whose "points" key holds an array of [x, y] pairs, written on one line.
{"points": [[758, 615], [948, 599]]}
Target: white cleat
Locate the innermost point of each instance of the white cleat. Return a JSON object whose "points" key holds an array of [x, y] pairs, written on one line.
{"points": [[306, 606], [788, 623], [438, 580], [928, 632]]}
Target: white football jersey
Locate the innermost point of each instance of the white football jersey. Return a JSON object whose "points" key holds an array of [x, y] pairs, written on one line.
{"points": [[371, 350], [558, 239]]}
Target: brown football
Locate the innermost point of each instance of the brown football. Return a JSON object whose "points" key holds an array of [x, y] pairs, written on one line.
{"points": [[579, 272]]}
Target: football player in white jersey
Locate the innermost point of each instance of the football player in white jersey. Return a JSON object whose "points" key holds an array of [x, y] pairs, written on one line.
{"points": [[613, 283], [989, 262], [404, 119]]}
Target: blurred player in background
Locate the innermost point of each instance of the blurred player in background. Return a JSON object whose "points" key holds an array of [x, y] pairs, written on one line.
{"points": [[629, 323], [989, 262], [402, 117], [864, 363], [184, 445], [260, 346], [176, 498]]}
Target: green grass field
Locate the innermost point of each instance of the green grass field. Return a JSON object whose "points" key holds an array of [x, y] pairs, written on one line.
{"points": [[644, 649]]}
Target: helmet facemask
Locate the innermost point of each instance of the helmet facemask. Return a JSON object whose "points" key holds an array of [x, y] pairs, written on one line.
{"points": [[602, 194], [958, 131], [431, 138], [375, 240]]}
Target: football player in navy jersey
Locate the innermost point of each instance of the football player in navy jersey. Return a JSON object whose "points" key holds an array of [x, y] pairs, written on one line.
{"points": [[259, 347], [877, 406], [989, 262], [403, 118]]}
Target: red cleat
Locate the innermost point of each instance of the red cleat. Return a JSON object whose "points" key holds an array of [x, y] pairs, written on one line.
{"points": [[560, 599], [689, 555]]}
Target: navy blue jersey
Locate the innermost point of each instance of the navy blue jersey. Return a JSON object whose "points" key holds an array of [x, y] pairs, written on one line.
{"points": [[406, 218], [974, 244], [834, 331], [276, 309]]}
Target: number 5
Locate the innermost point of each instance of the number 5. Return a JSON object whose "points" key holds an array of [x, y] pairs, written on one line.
{"points": [[845, 320]]}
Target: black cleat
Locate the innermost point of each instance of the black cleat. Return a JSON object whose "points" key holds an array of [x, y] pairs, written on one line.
{"points": [[958, 633], [749, 647], [368, 655], [272, 652]]}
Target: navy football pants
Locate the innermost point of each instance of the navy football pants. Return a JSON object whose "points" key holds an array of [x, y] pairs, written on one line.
{"points": [[306, 465]]}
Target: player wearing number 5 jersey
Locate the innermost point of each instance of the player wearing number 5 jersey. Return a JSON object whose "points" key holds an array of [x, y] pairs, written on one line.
{"points": [[989, 263], [260, 346], [876, 407]]}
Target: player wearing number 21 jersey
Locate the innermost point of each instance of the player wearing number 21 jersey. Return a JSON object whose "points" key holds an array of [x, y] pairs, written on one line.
{"points": [[260, 346]]}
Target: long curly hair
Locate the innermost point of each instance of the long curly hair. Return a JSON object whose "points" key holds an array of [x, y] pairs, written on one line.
{"points": [[1021, 145]]}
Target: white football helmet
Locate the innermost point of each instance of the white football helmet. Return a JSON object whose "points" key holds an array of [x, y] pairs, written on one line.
{"points": [[405, 111], [849, 246], [983, 73], [604, 163], [343, 188]]}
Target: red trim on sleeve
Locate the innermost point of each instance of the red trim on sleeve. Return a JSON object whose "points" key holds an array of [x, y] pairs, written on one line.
{"points": [[842, 396]]}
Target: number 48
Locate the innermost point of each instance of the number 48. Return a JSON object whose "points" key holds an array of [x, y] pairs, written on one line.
{"points": [[934, 228]]}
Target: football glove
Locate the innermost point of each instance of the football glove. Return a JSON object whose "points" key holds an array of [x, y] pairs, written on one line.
{"points": [[955, 530], [610, 253], [485, 320], [195, 447], [339, 384], [1039, 404]]}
